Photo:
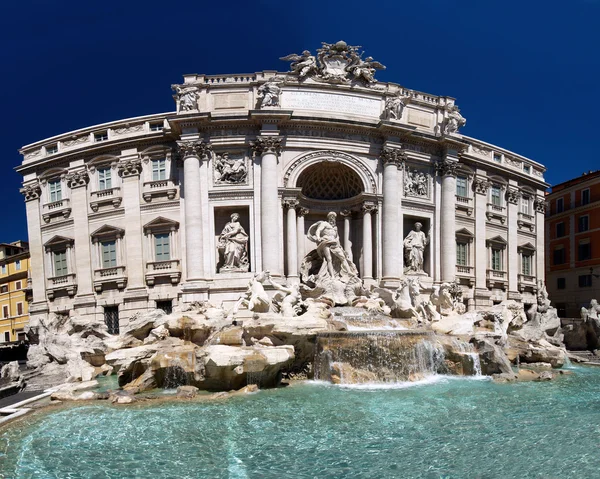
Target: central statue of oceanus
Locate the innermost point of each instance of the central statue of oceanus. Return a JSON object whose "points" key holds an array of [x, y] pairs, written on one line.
{"points": [[327, 271]]}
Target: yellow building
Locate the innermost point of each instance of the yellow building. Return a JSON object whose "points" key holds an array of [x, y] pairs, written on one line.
{"points": [[14, 311]]}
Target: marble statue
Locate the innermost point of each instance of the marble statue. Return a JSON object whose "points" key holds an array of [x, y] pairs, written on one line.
{"points": [[445, 300], [288, 300], [230, 170], [455, 120], [255, 298], [593, 311], [399, 301], [414, 247], [372, 303], [394, 106], [303, 65], [187, 96], [363, 69], [269, 92], [233, 246], [416, 183], [325, 235]]}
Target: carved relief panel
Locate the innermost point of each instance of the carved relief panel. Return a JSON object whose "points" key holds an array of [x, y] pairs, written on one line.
{"points": [[230, 168]]}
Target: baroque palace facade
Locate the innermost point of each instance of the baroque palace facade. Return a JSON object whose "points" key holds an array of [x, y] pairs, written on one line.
{"points": [[167, 209]]}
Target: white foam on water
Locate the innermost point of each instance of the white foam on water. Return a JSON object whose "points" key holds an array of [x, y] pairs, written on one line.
{"points": [[382, 328], [432, 379]]}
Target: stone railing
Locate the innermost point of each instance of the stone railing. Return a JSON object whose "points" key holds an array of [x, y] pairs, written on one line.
{"points": [[496, 211], [56, 208], [464, 203], [229, 79], [169, 270], [107, 196], [65, 283], [153, 189], [495, 276], [526, 278], [464, 270], [114, 274]]}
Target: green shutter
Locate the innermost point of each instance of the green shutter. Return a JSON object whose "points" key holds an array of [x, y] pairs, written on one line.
{"points": [[162, 247]]}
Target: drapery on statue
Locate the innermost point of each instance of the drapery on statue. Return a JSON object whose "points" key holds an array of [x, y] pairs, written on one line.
{"points": [[414, 247], [230, 170], [233, 246], [188, 97], [325, 235]]}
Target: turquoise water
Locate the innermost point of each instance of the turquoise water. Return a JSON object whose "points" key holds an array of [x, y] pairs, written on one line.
{"points": [[443, 428]]}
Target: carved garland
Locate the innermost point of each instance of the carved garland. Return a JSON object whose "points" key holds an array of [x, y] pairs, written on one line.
{"points": [[539, 205], [129, 167], [329, 155], [481, 185], [394, 156], [513, 196]]}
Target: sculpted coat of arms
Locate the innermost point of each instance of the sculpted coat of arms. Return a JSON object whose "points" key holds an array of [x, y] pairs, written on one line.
{"points": [[335, 63]]}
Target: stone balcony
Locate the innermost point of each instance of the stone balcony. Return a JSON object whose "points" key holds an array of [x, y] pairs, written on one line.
{"points": [[465, 204], [527, 282], [466, 272], [65, 283], [105, 276], [154, 189], [526, 221], [163, 269], [495, 277], [56, 208], [496, 212], [108, 196]]}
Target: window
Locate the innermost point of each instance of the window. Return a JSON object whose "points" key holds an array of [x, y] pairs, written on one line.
{"points": [[3, 269], [585, 196], [526, 264], [162, 247], [559, 256], [60, 263], [526, 169], [4, 288], [560, 205], [560, 229], [525, 205], [561, 283], [496, 259], [17, 286], [166, 306], [461, 186], [584, 251], [5, 312], [156, 126], [584, 223], [159, 169], [6, 337], [585, 281], [101, 136], [497, 157], [105, 179], [111, 318], [109, 253], [462, 258], [51, 149], [18, 265], [496, 195], [55, 189], [19, 309]]}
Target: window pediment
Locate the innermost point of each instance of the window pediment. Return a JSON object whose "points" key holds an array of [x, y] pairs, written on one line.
{"points": [[58, 242], [496, 242], [527, 248], [161, 224], [106, 232], [465, 235]]}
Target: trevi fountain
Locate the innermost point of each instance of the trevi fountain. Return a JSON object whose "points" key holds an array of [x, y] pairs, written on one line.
{"points": [[326, 373]]}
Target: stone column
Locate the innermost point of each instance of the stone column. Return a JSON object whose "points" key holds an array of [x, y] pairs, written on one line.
{"points": [[447, 170], [347, 243], [368, 209], [130, 169], [292, 239], [268, 148], [512, 256], [481, 186], [392, 159], [82, 266], [539, 205], [192, 153], [32, 193], [301, 213]]}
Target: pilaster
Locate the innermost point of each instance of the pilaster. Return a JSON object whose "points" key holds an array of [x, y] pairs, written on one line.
{"points": [[513, 197], [447, 170], [481, 186]]}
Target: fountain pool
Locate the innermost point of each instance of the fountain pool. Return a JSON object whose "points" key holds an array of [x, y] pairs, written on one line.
{"points": [[442, 427]]}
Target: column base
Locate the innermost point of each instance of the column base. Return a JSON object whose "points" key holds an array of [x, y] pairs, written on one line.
{"points": [[194, 291], [389, 282], [482, 298], [514, 295]]}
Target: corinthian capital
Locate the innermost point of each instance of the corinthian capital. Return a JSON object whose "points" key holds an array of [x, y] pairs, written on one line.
{"points": [[539, 205], [77, 179], [393, 156], [513, 195], [31, 192], [266, 144], [446, 168], [481, 185], [198, 148], [129, 167]]}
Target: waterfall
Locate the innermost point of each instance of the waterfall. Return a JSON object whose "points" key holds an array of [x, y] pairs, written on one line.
{"points": [[377, 356], [175, 374], [465, 349]]}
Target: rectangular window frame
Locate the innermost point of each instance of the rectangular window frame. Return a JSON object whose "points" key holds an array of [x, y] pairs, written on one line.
{"points": [[559, 254], [159, 169], [20, 309], [561, 283], [560, 205], [462, 186], [527, 264], [462, 253], [108, 253], [104, 178], [584, 251], [162, 247], [585, 196], [157, 126], [585, 280], [60, 264], [583, 223], [100, 136], [5, 311], [496, 259], [55, 191], [496, 195], [560, 229]]}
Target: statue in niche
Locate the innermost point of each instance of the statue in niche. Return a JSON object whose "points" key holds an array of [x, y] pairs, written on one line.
{"points": [[326, 271], [416, 183], [269, 92], [303, 65], [230, 170], [233, 246], [188, 97], [414, 248], [455, 120], [394, 106]]}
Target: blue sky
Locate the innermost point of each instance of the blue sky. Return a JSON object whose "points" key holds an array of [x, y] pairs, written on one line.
{"points": [[525, 73]]}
